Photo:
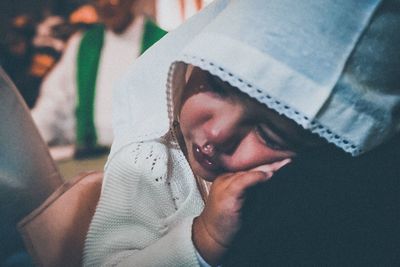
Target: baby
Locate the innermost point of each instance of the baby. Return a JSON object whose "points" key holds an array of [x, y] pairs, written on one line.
{"points": [[252, 84], [234, 142]]}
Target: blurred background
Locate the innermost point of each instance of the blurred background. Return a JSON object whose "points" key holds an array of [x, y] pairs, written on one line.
{"points": [[34, 35]]}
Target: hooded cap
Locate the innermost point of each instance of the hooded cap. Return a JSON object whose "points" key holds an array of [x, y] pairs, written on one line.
{"points": [[331, 66]]}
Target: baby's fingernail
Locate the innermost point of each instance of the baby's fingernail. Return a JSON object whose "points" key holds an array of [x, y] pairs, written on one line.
{"points": [[285, 162], [263, 168]]}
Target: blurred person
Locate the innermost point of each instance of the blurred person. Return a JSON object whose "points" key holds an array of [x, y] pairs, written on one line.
{"points": [[83, 16], [74, 105], [35, 48], [49, 41], [49, 33], [53, 32]]}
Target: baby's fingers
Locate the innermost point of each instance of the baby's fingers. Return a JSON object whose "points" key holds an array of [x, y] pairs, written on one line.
{"points": [[242, 182], [272, 167]]}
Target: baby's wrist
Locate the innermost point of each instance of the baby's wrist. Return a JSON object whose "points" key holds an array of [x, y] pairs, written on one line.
{"points": [[211, 250]]}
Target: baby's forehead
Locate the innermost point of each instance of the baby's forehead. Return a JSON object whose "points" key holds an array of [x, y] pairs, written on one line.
{"points": [[226, 91]]}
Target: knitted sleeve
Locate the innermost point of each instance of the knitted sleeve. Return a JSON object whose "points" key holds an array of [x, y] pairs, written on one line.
{"points": [[138, 221]]}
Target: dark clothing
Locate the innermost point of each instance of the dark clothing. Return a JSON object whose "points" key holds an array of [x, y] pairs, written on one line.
{"points": [[325, 209]]}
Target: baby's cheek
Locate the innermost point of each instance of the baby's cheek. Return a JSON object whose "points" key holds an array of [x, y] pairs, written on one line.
{"points": [[246, 160], [243, 162]]}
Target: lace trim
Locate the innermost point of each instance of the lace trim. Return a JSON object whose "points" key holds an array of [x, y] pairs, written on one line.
{"points": [[310, 124], [169, 94], [202, 185]]}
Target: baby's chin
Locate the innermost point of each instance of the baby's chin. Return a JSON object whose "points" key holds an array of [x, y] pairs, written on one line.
{"points": [[204, 174]]}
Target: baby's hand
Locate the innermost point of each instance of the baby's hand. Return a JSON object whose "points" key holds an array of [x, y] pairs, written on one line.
{"points": [[217, 225]]}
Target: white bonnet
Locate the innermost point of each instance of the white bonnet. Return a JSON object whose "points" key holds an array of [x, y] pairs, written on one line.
{"points": [[332, 66]]}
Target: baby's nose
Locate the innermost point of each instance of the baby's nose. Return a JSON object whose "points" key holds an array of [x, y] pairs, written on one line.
{"points": [[218, 130]]}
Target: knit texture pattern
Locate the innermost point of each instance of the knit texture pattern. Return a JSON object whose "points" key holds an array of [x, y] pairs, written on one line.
{"points": [[146, 209]]}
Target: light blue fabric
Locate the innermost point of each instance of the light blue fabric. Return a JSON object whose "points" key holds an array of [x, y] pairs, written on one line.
{"points": [[332, 66]]}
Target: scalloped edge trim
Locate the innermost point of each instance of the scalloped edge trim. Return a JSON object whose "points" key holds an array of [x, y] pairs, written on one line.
{"points": [[309, 124]]}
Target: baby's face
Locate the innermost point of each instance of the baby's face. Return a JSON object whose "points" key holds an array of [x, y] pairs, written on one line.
{"points": [[227, 131]]}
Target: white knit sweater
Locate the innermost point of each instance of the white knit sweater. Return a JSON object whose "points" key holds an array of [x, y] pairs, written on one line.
{"points": [[150, 197], [145, 214]]}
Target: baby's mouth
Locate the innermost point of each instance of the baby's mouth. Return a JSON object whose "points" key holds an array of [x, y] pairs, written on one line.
{"points": [[205, 161]]}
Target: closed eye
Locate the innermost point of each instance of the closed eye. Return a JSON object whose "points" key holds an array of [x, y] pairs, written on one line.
{"points": [[269, 138]]}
